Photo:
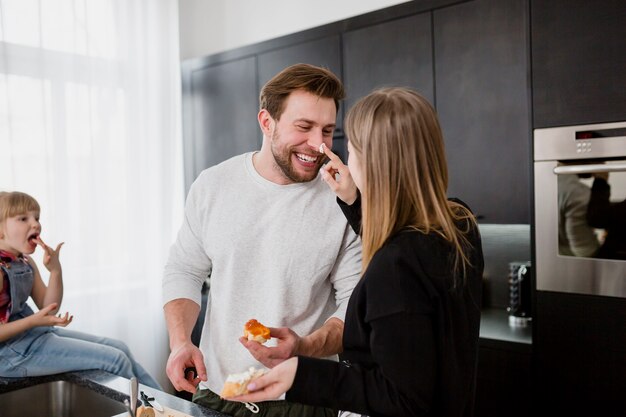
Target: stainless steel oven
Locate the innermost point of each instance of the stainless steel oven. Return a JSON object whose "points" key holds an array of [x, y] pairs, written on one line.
{"points": [[580, 209]]}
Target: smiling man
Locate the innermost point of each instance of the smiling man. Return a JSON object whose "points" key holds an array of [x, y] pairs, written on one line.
{"points": [[276, 246]]}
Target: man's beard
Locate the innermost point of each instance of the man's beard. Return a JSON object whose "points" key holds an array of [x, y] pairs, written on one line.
{"points": [[282, 159]]}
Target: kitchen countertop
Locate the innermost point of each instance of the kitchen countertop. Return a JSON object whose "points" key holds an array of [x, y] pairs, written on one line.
{"points": [[494, 328], [111, 386]]}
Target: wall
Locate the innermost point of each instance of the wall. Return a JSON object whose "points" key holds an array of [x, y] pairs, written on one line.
{"points": [[208, 27]]}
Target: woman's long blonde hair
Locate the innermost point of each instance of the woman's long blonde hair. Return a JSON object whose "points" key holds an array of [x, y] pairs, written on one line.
{"points": [[396, 134]]}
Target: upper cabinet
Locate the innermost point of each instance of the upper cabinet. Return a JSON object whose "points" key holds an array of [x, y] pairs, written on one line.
{"points": [[395, 53], [469, 59], [324, 52], [578, 61], [483, 102], [220, 107]]}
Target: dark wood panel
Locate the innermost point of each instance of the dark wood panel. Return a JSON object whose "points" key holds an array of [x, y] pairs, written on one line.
{"points": [[324, 52], [503, 381], [580, 352], [223, 105], [483, 101], [578, 61], [395, 53]]}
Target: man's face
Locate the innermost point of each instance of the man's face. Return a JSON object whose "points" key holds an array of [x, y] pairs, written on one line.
{"points": [[306, 122]]}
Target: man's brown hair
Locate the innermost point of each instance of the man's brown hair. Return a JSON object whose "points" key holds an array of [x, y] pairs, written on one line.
{"points": [[315, 80]]}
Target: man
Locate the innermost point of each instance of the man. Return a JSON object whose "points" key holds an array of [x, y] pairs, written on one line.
{"points": [[273, 239]]}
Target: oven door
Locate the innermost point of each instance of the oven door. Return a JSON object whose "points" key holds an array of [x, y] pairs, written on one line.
{"points": [[580, 244]]}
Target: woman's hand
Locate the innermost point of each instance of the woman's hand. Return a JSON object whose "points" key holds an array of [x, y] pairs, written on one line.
{"points": [[50, 256], [271, 385], [46, 317], [344, 186]]}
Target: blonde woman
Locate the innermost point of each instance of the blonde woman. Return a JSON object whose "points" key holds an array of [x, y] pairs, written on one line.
{"points": [[411, 331]]}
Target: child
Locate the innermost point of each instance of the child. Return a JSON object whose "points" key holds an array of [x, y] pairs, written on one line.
{"points": [[32, 344]]}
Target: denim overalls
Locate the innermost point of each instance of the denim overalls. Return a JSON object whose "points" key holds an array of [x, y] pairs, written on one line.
{"points": [[50, 350], [21, 277]]}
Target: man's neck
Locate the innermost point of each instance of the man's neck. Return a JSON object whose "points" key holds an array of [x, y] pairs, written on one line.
{"points": [[264, 164]]}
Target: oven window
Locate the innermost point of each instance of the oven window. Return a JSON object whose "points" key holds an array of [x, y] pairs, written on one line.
{"points": [[592, 214]]}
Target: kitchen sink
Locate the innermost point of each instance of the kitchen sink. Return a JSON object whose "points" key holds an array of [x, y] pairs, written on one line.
{"points": [[58, 399]]}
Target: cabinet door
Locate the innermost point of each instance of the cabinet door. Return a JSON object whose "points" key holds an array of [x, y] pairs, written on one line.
{"points": [[503, 380], [580, 352], [395, 53], [579, 61], [324, 52], [220, 108], [482, 96]]}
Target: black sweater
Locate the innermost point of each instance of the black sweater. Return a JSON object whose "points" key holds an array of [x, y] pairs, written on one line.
{"points": [[410, 339]]}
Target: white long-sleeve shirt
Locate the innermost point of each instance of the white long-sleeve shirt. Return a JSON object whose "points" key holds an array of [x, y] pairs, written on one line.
{"points": [[282, 254]]}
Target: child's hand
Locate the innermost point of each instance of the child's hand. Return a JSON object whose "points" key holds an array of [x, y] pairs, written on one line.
{"points": [[50, 256], [46, 317]]}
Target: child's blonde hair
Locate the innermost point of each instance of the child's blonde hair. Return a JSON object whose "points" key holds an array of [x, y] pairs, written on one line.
{"points": [[14, 203]]}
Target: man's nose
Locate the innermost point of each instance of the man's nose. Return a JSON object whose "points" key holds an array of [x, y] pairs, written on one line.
{"points": [[316, 138]]}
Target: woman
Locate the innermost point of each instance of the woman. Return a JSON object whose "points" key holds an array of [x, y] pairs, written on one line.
{"points": [[411, 329]]}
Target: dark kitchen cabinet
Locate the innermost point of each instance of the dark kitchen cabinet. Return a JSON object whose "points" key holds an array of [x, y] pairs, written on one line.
{"points": [[324, 52], [580, 349], [394, 53], [220, 105], [483, 100], [503, 380], [504, 373], [578, 61]]}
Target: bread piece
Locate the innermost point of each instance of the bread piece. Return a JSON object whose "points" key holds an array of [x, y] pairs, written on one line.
{"points": [[253, 330], [237, 384], [145, 412]]}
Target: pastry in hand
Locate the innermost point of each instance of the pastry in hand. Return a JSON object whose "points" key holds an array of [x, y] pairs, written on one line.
{"points": [[253, 330], [237, 384]]}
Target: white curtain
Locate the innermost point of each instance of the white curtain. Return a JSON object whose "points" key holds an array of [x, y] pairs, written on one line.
{"points": [[90, 127]]}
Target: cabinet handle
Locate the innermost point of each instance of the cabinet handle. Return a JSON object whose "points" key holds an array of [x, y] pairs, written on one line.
{"points": [[589, 169]]}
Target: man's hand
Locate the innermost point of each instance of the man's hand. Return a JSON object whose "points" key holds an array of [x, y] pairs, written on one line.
{"points": [[288, 345], [186, 355]]}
